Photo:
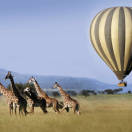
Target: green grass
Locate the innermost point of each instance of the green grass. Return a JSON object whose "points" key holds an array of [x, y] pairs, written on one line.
{"points": [[101, 113]]}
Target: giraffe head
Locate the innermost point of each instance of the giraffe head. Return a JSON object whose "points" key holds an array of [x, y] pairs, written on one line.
{"points": [[56, 85], [31, 80], [27, 90], [8, 76]]}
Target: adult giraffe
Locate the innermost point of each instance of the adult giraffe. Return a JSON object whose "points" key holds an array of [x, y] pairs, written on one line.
{"points": [[49, 101], [12, 100], [21, 101]]}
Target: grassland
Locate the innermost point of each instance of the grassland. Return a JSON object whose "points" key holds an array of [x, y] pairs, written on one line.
{"points": [[101, 113]]}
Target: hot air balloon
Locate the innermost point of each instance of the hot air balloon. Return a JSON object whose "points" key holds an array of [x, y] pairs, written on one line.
{"points": [[111, 36]]}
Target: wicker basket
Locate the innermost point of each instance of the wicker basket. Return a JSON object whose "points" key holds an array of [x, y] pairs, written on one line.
{"points": [[122, 84]]}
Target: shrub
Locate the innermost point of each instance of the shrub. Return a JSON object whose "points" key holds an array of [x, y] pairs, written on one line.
{"points": [[84, 93], [55, 94], [109, 91], [72, 93], [129, 92], [114, 91], [87, 92]]}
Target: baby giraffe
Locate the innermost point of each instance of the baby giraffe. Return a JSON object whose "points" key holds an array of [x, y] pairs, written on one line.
{"points": [[68, 101], [37, 101]]}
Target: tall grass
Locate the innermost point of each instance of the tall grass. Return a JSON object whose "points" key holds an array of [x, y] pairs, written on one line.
{"points": [[101, 113]]}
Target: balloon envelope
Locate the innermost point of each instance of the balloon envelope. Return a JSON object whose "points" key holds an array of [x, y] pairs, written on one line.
{"points": [[111, 36]]}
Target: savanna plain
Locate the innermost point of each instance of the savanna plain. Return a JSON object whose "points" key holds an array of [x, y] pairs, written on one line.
{"points": [[99, 113]]}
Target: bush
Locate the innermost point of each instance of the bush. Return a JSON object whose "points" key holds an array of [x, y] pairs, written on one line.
{"points": [[129, 92], [117, 90], [55, 94], [87, 92], [109, 91], [114, 91], [72, 93], [84, 93]]}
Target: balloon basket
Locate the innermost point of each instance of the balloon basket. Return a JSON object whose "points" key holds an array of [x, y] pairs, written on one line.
{"points": [[122, 84]]}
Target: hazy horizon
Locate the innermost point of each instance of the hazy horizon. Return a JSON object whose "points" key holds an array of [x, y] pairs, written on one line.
{"points": [[51, 37]]}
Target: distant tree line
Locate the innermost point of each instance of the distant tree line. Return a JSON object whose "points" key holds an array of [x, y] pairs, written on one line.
{"points": [[114, 91], [85, 93]]}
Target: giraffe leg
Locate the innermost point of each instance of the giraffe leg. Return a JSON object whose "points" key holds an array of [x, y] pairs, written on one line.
{"points": [[76, 109], [60, 106], [25, 109], [78, 112], [67, 109], [55, 107], [63, 108], [15, 109], [9, 105], [43, 105], [11, 108], [43, 109], [20, 110], [32, 109]]}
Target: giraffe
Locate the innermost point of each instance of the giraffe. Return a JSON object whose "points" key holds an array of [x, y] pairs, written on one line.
{"points": [[37, 101], [11, 98], [68, 101], [21, 101], [49, 101]]}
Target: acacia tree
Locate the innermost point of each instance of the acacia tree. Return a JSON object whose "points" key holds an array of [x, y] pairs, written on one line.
{"points": [[21, 87]]}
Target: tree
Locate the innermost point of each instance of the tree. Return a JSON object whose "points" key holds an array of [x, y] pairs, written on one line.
{"points": [[21, 87], [114, 91]]}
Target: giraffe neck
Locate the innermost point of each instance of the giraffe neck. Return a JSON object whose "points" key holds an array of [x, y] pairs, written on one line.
{"points": [[3, 90], [62, 92], [40, 92], [15, 91]]}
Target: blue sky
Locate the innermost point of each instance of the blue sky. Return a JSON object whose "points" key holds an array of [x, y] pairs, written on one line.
{"points": [[51, 37]]}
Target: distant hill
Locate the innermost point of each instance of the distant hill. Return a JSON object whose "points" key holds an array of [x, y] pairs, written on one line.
{"points": [[70, 83]]}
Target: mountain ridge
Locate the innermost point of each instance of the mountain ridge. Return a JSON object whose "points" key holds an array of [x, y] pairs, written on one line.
{"points": [[71, 83]]}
